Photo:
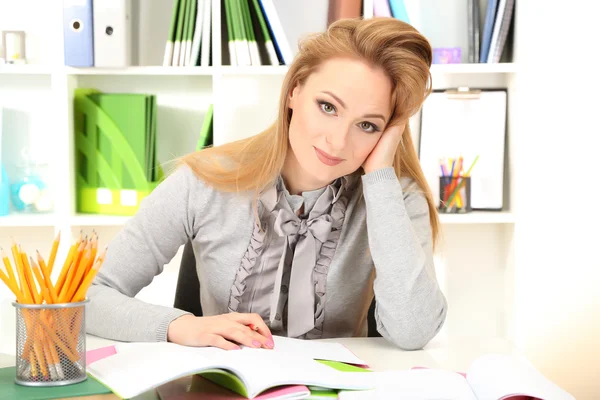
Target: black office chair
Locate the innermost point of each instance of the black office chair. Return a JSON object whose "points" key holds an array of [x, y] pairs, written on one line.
{"points": [[187, 293]]}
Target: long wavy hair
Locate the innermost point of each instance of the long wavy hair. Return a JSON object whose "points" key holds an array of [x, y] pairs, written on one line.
{"points": [[253, 164]]}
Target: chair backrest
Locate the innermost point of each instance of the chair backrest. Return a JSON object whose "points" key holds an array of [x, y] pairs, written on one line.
{"points": [[187, 293]]}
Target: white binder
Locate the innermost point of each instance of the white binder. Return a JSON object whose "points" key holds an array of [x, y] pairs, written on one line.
{"points": [[468, 123], [112, 33]]}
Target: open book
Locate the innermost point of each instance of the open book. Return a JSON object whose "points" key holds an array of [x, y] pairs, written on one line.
{"points": [[490, 377], [139, 367]]}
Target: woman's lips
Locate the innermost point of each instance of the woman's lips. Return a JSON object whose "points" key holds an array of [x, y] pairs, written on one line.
{"points": [[327, 159]]}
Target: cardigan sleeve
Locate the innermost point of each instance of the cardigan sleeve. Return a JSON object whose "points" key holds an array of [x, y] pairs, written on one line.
{"points": [[410, 307], [164, 222]]}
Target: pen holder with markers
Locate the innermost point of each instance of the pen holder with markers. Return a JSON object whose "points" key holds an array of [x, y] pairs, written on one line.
{"points": [[50, 344], [50, 316], [455, 194]]}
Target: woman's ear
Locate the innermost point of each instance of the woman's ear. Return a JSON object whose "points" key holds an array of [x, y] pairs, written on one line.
{"points": [[292, 97]]}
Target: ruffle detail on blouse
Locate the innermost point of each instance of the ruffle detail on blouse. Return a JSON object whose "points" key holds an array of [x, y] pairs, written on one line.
{"points": [[246, 266], [338, 213]]}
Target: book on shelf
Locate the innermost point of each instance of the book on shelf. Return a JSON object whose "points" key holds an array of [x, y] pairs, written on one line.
{"points": [[136, 368], [490, 377], [188, 43], [455, 29]]}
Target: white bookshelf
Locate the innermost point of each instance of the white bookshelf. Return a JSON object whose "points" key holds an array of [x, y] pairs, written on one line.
{"points": [[477, 247]]}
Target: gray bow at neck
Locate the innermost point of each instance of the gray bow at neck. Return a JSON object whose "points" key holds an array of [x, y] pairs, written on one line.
{"points": [[304, 233]]}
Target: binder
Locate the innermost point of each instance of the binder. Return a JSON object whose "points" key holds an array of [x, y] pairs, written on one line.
{"points": [[170, 44], [282, 45], [263, 37], [501, 27], [197, 34], [112, 33], [467, 122], [488, 27], [78, 31], [177, 43], [206, 34]]}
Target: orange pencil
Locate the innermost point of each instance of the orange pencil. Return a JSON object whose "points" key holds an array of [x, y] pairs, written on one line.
{"points": [[87, 281], [24, 287], [62, 297], [6, 262], [10, 283], [40, 279], [52, 257], [80, 271], [37, 297], [47, 278], [65, 269]]}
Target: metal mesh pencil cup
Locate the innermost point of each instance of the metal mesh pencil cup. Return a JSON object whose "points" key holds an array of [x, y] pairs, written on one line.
{"points": [[50, 344]]}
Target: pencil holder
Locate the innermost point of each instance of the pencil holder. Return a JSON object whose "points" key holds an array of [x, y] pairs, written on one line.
{"points": [[455, 195], [50, 344]]}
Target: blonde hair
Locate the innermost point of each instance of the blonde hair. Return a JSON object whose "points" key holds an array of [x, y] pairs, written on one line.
{"points": [[253, 164]]}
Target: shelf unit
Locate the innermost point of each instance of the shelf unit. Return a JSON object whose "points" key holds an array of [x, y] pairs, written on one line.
{"points": [[476, 247]]}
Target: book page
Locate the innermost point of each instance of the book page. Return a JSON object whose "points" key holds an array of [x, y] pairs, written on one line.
{"points": [[499, 377], [136, 370], [263, 369], [317, 350], [416, 384]]}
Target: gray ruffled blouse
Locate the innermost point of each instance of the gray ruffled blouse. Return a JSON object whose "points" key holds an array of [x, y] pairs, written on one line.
{"points": [[309, 265], [283, 274]]}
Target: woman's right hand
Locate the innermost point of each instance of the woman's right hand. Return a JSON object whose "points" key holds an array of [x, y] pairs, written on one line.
{"points": [[226, 331]]}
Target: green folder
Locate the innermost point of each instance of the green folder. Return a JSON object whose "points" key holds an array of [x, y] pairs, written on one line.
{"points": [[230, 33], [168, 56], [130, 113], [206, 131], [177, 47], [10, 390]]}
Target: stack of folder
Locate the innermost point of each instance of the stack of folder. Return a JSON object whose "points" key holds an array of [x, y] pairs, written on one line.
{"points": [[255, 34], [189, 38], [116, 163]]}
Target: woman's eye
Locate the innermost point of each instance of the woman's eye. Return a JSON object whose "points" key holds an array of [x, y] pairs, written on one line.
{"points": [[368, 127], [327, 107]]}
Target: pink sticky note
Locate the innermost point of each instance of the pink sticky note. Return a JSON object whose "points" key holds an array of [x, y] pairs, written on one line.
{"points": [[98, 354]]}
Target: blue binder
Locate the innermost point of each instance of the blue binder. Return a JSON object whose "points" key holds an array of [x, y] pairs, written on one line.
{"points": [[488, 29], [78, 31]]}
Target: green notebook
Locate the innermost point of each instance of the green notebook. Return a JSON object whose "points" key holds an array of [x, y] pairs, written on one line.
{"points": [[10, 390]]}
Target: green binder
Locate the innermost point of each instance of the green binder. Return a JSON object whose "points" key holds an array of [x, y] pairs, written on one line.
{"points": [[10, 390], [115, 141]]}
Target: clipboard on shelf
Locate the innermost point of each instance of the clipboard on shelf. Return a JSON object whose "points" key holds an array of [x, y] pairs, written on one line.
{"points": [[467, 122]]}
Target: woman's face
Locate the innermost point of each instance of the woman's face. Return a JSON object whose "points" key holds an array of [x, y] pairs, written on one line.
{"points": [[339, 114]]}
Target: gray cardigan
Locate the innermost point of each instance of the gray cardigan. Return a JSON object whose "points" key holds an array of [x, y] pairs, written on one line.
{"points": [[309, 276]]}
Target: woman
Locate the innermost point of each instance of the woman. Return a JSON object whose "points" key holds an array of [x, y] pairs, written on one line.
{"points": [[295, 229]]}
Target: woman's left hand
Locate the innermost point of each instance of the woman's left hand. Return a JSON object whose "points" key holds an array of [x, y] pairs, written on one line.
{"points": [[383, 154]]}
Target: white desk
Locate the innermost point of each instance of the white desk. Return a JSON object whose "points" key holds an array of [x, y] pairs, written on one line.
{"points": [[456, 355]]}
